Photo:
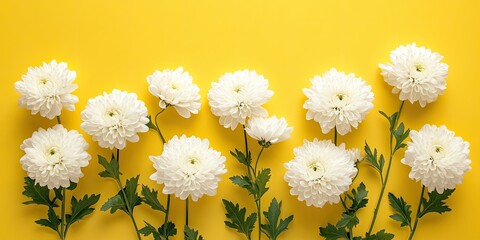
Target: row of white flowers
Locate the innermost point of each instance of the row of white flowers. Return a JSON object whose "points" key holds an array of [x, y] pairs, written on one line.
{"points": [[188, 167]]}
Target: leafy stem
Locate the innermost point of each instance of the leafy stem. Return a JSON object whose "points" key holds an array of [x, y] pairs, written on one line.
{"points": [[412, 232], [129, 209], [62, 220], [393, 124]]}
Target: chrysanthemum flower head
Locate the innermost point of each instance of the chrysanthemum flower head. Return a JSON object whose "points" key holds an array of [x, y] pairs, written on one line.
{"points": [[115, 118], [237, 96], [416, 73], [438, 159], [338, 100], [47, 89], [175, 88], [320, 172], [53, 157], [268, 130], [188, 167]]}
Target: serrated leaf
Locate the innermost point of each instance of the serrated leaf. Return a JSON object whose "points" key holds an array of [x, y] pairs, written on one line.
{"points": [[372, 158], [52, 222], [381, 235], [81, 208], [150, 123], [236, 218], [392, 120], [167, 231], [400, 135], [241, 157], [114, 203], [150, 230], [72, 186], [359, 197], [348, 220], [331, 232], [112, 169], [261, 182], [191, 234], [402, 210], [244, 182], [150, 197], [274, 227], [38, 195], [435, 202], [131, 192]]}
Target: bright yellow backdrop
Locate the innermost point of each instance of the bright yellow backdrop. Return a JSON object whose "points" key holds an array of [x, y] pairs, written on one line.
{"points": [[116, 44]]}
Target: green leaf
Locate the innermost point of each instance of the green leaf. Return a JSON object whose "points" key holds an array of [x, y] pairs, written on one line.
{"points": [[191, 234], [72, 186], [81, 208], [261, 182], [392, 120], [402, 210], [435, 203], [333, 233], [112, 169], [150, 123], [236, 218], [114, 203], [149, 229], [348, 220], [52, 222], [131, 192], [170, 230], [372, 158], [241, 157], [359, 197], [150, 197], [274, 227], [244, 182], [400, 135], [381, 235], [38, 195]]}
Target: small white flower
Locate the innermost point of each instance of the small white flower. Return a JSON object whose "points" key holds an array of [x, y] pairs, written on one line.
{"points": [[237, 96], [115, 118], [175, 88], [47, 89], [438, 158], [188, 167], [416, 73], [268, 130], [320, 172], [338, 100], [53, 157], [354, 153]]}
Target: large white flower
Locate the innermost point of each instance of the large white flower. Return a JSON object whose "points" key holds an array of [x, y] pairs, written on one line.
{"points": [[438, 158], [237, 96], [268, 130], [416, 73], [338, 100], [115, 118], [320, 172], [47, 89], [188, 167], [53, 157], [175, 88]]}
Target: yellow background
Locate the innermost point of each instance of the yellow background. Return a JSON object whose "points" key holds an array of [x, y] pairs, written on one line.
{"points": [[116, 44]]}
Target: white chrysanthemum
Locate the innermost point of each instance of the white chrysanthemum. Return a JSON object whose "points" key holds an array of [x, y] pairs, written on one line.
{"points": [[175, 88], [188, 167], [438, 158], [53, 157], [320, 172], [237, 96], [354, 153], [268, 130], [338, 100], [416, 73], [47, 89], [115, 118]]}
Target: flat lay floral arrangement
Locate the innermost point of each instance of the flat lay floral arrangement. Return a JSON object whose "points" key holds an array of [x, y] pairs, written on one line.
{"points": [[322, 170]]}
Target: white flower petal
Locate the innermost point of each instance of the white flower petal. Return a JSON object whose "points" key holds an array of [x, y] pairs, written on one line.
{"points": [[268, 130]]}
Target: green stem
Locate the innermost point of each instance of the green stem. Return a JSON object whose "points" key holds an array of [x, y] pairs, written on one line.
{"points": [[256, 162], [62, 220], [58, 120], [412, 232], [186, 212], [384, 181], [247, 154], [167, 211], [335, 136], [259, 211], [158, 129]]}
